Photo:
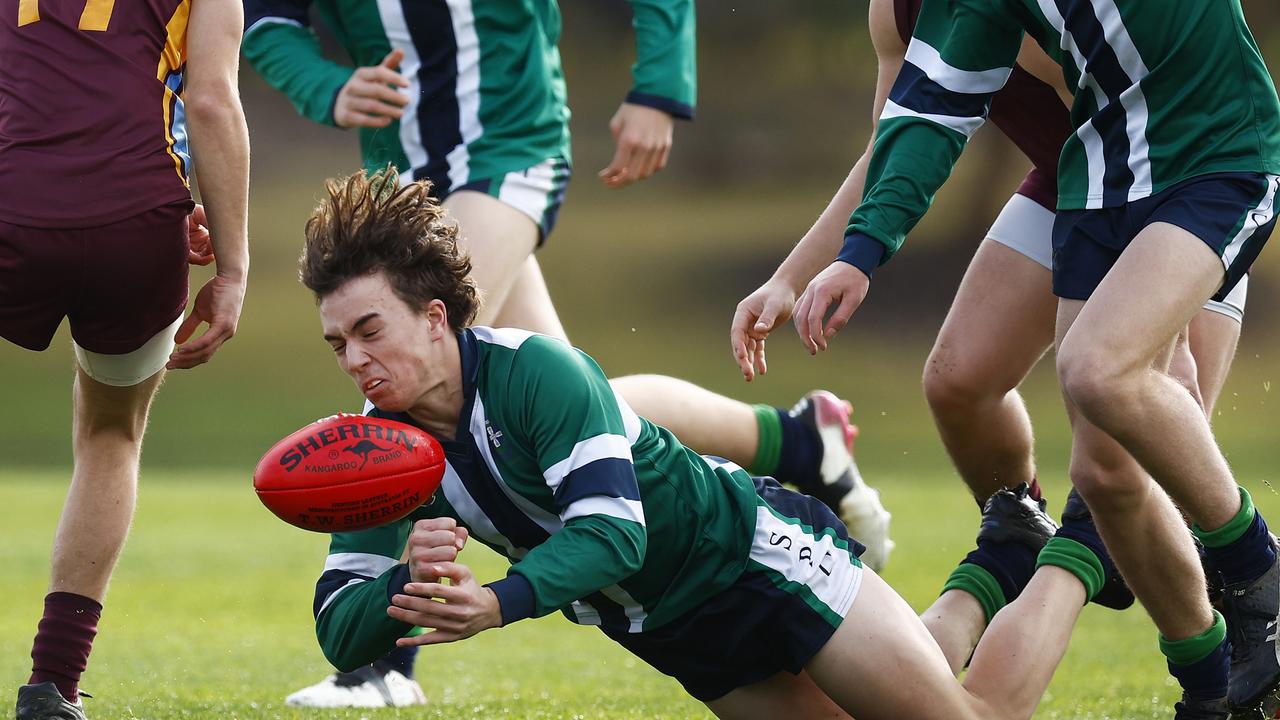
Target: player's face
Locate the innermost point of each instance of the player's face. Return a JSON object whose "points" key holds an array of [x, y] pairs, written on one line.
{"points": [[393, 353]]}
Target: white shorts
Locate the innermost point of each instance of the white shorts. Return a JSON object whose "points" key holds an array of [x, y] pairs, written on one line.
{"points": [[131, 368], [1026, 226]]}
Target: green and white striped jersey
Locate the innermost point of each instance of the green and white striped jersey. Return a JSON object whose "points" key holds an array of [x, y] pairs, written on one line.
{"points": [[602, 514], [487, 95], [1165, 90]]}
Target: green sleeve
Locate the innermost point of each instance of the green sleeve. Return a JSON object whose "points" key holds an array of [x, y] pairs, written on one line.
{"points": [[960, 55], [571, 418], [665, 72], [361, 573], [288, 57]]}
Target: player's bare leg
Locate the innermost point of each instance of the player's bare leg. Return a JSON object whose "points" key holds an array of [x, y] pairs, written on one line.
{"points": [[1212, 338], [1000, 324], [881, 641], [528, 303], [677, 405], [500, 240], [1108, 360], [108, 424]]}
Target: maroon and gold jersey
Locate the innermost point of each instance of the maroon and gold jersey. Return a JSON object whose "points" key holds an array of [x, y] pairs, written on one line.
{"points": [[1027, 110], [91, 120]]}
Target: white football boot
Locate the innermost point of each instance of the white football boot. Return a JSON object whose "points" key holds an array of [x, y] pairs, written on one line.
{"points": [[367, 687], [844, 490]]}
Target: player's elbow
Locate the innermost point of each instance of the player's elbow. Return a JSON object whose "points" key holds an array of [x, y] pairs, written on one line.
{"points": [[215, 103]]}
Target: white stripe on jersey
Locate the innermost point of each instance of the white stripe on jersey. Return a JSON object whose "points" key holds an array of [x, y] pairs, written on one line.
{"points": [[470, 514], [1096, 157], [1259, 216], [333, 595], [630, 421], [634, 610], [613, 507], [962, 125], [466, 88], [510, 338], [1133, 100], [270, 20], [397, 29], [971, 82], [364, 564], [801, 557], [585, 452], [480, 436]]}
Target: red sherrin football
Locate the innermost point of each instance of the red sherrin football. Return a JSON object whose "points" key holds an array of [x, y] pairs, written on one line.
{"points": [[349, 472]]}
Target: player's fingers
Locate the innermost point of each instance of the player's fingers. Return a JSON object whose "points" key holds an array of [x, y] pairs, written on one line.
{"points": [[422, 558], [760, 365], [442, 537], [799, 318], [615, 174], [663, 157], [383, 76], [435, 637], [388, 95], [440, 523], [848, 304], [198, 215], [368, 106], [813, 321], [199, 258], [457, 572], [351, 118], [393, 59], [461, 534], [187, 327]]}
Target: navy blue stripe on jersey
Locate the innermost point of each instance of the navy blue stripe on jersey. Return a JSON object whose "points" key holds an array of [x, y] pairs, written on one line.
{"points": [[675, 108], [915, 91], [329, 583], [294, 10], [1102, 63], [611, 477], [431, 29], [612, 617]]}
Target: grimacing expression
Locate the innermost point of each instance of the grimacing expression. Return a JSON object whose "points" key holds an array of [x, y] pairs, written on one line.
{"points": [[382, 343]]}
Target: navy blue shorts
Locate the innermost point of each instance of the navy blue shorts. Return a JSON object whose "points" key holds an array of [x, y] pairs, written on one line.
{"points": [[801, 578], [1233, 213]]}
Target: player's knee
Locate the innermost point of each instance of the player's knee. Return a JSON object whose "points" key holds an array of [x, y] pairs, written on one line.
{"points": [[952, 384], [1108, 482], [1092, 382]]}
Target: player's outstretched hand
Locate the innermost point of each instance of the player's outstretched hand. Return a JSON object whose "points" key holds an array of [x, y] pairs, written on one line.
{"points": [[199, 246], [643, 138], [434, 540], [218, 303], [842, 285], [455, 611], [757, 316], [369, 99]]}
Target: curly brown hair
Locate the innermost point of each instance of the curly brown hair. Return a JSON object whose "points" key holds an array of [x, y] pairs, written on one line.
{"points": [[369, 224]]}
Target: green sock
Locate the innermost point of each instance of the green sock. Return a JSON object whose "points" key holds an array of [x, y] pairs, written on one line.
{"points": [[769, 444], [979, 583], [1194, 649], [1234, 528], [1076, 559]]}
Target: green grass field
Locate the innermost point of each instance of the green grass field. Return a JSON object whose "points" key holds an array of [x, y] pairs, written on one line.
{"points": [[209, 616]]}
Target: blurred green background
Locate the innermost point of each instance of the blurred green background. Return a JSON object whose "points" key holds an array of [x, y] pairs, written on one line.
{"points": [[645, 279]]}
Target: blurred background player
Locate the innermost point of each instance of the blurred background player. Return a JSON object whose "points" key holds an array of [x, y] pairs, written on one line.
{"points": [[1153, 220], [1001, 321], [102, 107], [470, 96]]}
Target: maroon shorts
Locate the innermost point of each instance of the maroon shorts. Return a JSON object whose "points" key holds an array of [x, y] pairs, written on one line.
{"points": [[119, 284]]}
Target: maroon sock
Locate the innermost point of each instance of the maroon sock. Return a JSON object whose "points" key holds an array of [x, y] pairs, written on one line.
{"points": [[63, 641]]}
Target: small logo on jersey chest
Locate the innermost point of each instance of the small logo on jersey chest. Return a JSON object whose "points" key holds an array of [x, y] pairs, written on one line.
{"points": [[495, 436]]}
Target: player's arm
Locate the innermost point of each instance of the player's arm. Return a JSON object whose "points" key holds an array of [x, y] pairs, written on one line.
{"points": [[220, 145], [959, 56], [771, 304], [577, 427], [280, 45], [664, 87], [361, 574]]}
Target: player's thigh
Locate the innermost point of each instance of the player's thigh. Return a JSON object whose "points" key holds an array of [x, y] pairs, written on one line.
{"points": [[528, 304], [1001, 321], [782, 696], [881, 663], [498, 237], [1213, 335], [117, 411]]}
